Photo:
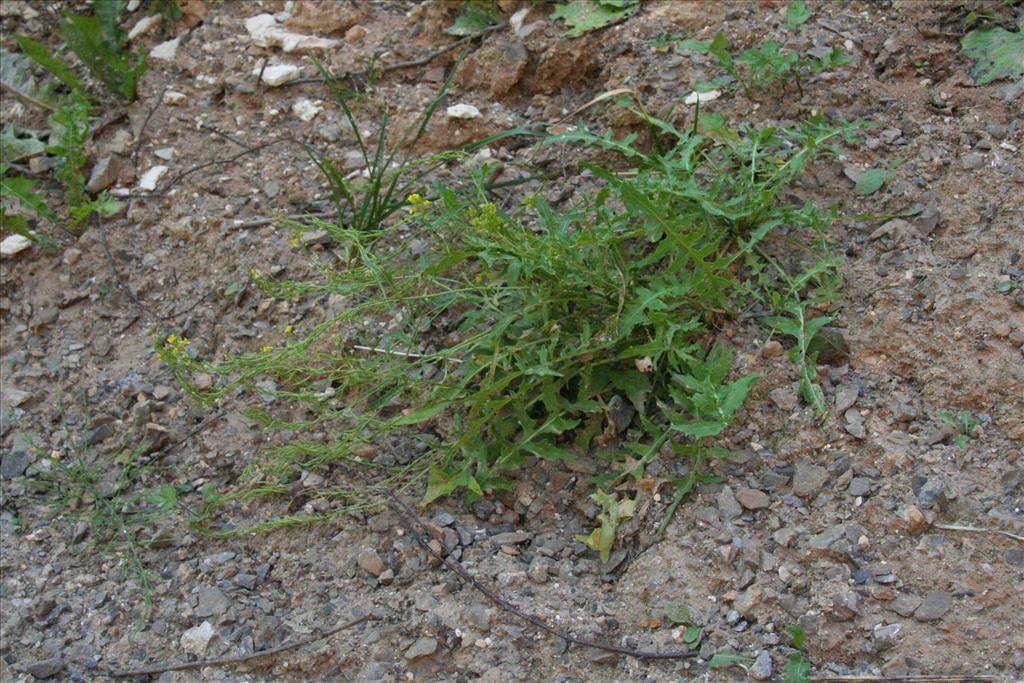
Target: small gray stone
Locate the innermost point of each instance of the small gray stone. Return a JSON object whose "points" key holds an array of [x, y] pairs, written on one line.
{"points": [[785, 398], [511, 538], [100, 433], [14, 463], [859, 486], [808, 479], [444, 519], [826, 538], [752, 499], [761, 669], [973, 160], [44, 668], [935, 604], [369, 561], [728, 506], [104, 174], [885, 636], [927, 220], [845, 606], [424, 647], [905, 604], [212, 602], [846, 396]]}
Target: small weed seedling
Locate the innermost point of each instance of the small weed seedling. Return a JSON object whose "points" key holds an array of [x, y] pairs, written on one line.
{"points": [[759, 67], [100, 45], [964, 423], [797, 668]]}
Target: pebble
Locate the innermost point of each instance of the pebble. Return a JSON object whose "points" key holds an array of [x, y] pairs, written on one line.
{"points": [[212, 602], [511, 538], [752, 499], [859, 486], [13, 244], [808, 479], [197, 639], [44, 668], [279, 74], [905, 604], [771, 349], [355, 34], [369, 561], [728, 506], [972, 161], [104, 174], [761, 669], [747, 600], [934, 606], [306, 109], [462, 111], [166, 51], [785, 398], [846, 396], [424, 647], [175, 98], [151, 177]]}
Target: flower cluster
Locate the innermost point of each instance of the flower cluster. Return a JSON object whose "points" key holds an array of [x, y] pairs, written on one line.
{"points": [[418, 206], [173, 347]]}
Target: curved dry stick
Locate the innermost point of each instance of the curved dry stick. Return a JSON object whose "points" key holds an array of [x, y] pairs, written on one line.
{"points": [[419, 530], [223, 661]]}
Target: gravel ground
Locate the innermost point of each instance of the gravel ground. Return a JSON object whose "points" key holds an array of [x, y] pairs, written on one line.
{"points": [[871, 530]]}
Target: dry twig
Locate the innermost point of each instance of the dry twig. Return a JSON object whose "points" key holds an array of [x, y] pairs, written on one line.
{"points": [[224, 661], [978, 530]]}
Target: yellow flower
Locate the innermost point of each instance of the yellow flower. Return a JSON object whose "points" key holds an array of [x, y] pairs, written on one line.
{"points": [[417, 205], [289, 329], [267, 349]]}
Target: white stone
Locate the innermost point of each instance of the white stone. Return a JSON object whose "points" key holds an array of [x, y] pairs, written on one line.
{"points": [[175, 98], [197, 639], [462, 111], [143, 25], [279, 74], [702, 97], [265, 32], [165, 51], [165, 153], [306, 109], [12, 244], [151, 177]]}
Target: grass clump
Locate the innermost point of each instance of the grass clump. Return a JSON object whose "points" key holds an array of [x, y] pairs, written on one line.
{"points": [[524, 333]]}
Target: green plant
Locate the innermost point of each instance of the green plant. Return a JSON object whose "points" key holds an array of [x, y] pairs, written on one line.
{"points": [[583, 16], [761, 66], [797, 15], [474, 17], [797, 669], [963, 422], [996, 52], [679, 614], [21, 190], [126, 514], [525, 333]]}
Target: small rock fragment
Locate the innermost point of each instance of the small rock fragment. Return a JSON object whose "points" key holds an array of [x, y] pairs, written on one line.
{"points": [[175, 98], [728, 506], [13, 244], [462, 111], [44, 668], [306, 109], [151, 177], [846, 396], [104, 174], [905, 604], [934, 606], [369, 561], [279, 74], [355, 34], [424, 647], [197, 639], [808, 479], [165, 51], [752, 499], [265, 32], [761, 669], [772, 349]]}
